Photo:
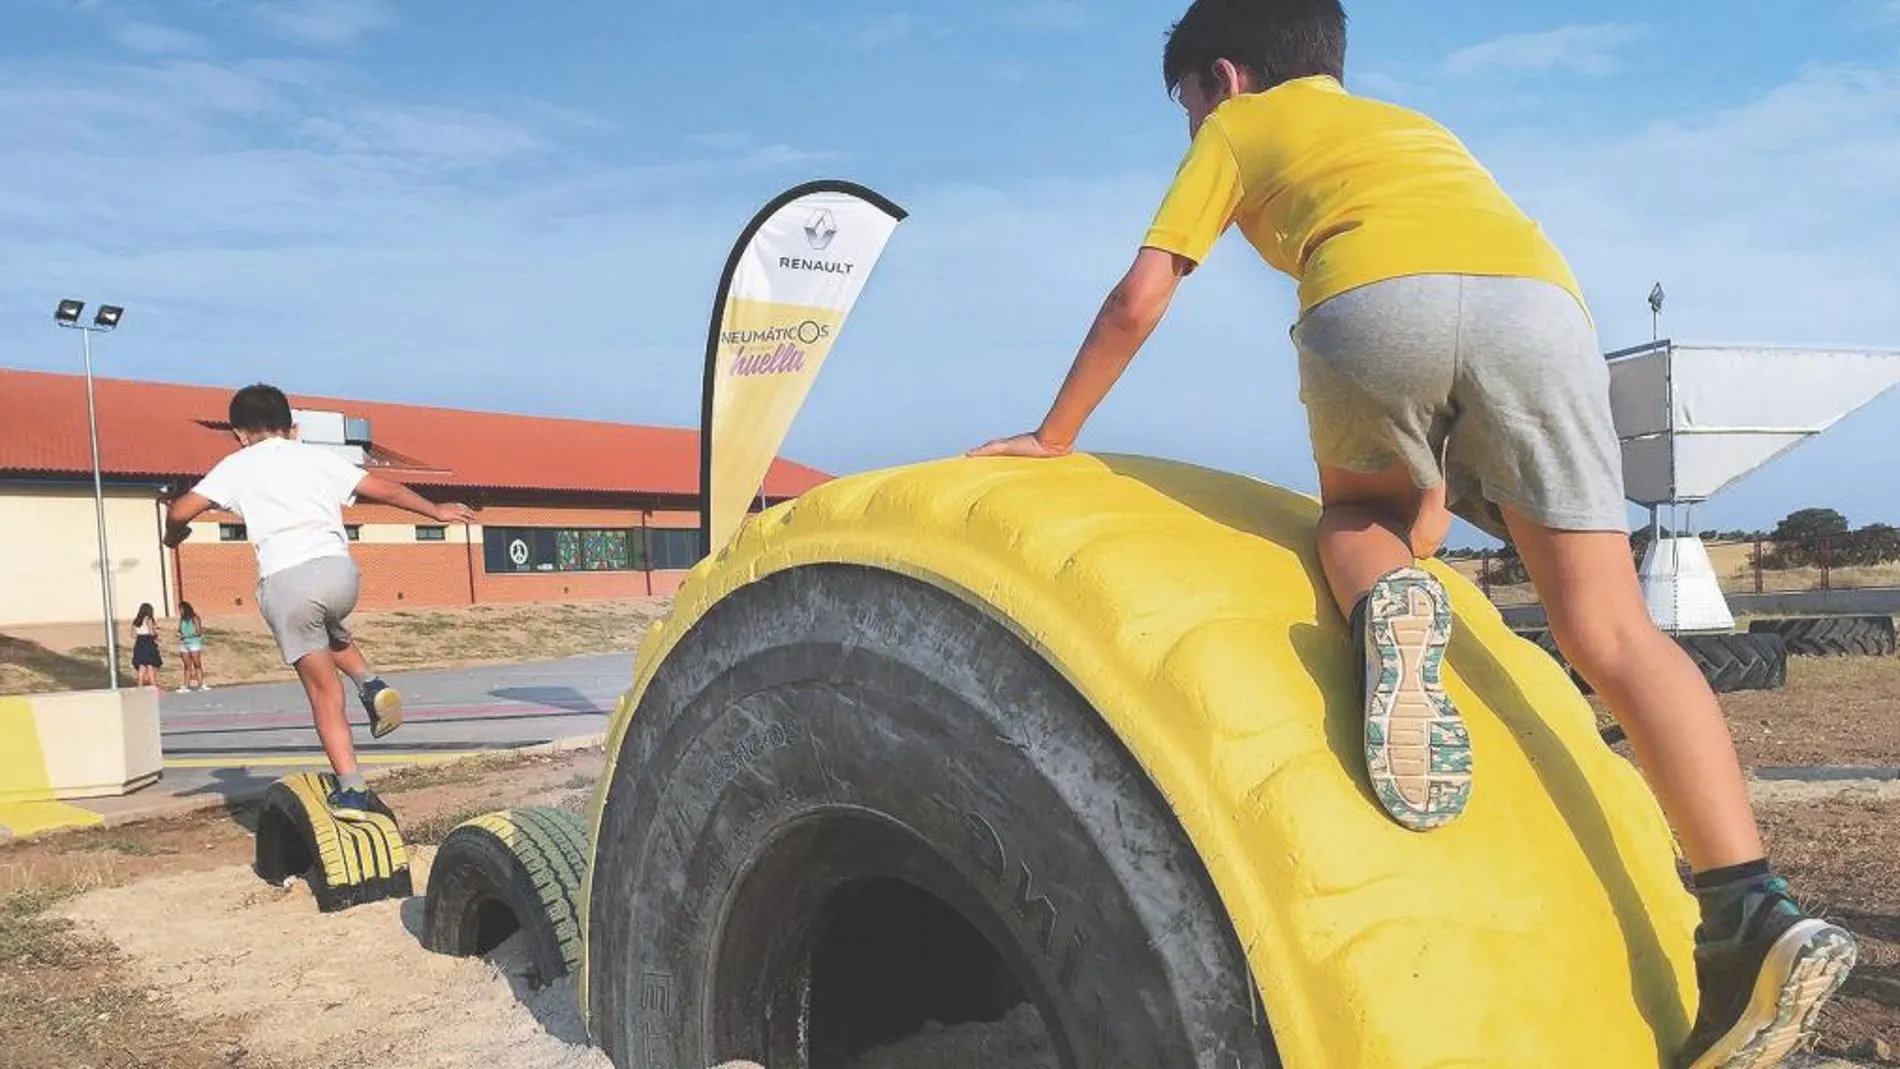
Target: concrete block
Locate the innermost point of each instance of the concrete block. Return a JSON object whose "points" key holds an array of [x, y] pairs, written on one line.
{"points": [[78, 744]]}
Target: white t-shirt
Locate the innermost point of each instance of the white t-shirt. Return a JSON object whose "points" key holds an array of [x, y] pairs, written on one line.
{"points": [[291, 497]]}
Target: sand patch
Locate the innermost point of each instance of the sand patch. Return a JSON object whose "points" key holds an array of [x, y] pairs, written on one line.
{"points": [[348, 989], [357, 988]]}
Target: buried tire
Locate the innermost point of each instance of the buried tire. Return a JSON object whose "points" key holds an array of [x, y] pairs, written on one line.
{"points": [[849, 804], [515, 870], [346, 861]]}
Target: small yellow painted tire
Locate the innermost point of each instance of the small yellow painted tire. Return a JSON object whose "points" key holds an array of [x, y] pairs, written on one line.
{"points": [[346, 861], [514, 870]]}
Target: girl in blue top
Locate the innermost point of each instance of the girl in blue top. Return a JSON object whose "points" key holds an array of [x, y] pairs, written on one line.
{"points": [[191, 647]]}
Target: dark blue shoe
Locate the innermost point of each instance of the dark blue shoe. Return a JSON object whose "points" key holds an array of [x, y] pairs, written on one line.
{"points": [[384, 706], [1763, 981], [349, 803]]}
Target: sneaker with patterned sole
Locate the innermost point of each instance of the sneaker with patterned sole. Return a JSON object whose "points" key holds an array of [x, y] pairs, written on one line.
{"points": [[1763, 986], [351, 804], [384, 706], [1418, 753]]}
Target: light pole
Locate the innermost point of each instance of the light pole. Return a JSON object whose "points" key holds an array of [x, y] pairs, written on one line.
{"points": [[67, 315], [1655, 311]]}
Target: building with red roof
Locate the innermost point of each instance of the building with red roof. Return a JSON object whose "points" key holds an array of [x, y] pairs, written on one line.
{"points": [[569, 509]]}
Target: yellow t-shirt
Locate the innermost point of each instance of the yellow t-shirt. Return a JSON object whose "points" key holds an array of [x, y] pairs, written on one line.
{"points": [[1340, 191]]}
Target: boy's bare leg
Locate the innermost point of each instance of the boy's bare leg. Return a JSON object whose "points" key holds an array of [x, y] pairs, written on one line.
{"points": [[318, 673], [351, 662], [1764, 968], [1588, 583], [380, 700]]}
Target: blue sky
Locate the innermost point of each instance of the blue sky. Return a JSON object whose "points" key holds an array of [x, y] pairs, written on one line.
{"points": [[525, 207]]}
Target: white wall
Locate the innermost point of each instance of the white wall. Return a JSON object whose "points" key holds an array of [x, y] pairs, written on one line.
{"points": [[49, 554]]}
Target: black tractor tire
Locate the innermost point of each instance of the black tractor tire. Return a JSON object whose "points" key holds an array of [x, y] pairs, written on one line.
{"points": [[849, 803], [1739, 660], [346, 861], [503, 872], [1832, 636]]}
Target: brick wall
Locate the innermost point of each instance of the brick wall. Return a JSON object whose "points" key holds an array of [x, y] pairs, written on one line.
{"points": [[220, 578]]}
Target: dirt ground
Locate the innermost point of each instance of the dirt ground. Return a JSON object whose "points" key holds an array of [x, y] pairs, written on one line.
{"points": [[1834, 710], [1839, 853], [102, 967], [238, 649], [155, 946]]}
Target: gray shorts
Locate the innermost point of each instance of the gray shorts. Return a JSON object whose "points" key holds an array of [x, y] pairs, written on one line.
{"points": [[306, 603], [1494, 386]]}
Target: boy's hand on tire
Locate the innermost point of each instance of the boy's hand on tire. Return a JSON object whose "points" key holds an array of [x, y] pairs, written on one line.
{"points": [[1021, 445]]}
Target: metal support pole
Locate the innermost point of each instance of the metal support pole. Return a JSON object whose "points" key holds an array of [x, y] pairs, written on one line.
{"points": [[99, 509]]}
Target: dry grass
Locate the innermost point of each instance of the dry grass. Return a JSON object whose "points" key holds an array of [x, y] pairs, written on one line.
{"points": [[430, 831], [240, 650], [64, 1000]]}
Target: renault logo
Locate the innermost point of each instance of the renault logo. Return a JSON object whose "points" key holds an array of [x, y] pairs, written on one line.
{"points": [[820, 229]]}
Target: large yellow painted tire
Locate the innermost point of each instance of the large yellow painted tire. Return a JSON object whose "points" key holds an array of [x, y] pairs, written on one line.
{"points": [[1052, 693]]}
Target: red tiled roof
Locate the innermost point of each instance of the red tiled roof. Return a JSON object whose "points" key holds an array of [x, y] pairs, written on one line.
{"points": [[163, 430]]}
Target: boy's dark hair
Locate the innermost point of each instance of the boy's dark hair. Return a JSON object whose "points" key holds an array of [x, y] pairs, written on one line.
{"points": [[260, 409], [1274, 40]]}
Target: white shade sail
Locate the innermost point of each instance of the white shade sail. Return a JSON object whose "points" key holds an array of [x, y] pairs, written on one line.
{"points": [[1693, 419]]}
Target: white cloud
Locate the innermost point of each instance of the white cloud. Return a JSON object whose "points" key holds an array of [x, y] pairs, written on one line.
{"points": [[153, 39], [1768, 222], [326, 23], [1588, 50], [286, 220]]}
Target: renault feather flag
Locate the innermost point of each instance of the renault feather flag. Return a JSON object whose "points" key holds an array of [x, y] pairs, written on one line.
{"points": [[792, 279]]}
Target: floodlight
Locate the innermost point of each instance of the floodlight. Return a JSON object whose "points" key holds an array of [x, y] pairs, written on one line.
{"points": [[108, 316], [67, 314], [1656, 298]]}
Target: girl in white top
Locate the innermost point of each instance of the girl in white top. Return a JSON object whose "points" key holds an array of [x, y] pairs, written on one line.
{"points": [[145, 655]]}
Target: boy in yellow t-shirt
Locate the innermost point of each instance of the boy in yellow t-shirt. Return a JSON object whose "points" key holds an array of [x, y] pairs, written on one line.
{"points": [[1448, 364]]}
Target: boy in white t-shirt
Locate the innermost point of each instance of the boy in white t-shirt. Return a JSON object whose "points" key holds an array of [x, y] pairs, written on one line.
{"points": [[291, 497]]}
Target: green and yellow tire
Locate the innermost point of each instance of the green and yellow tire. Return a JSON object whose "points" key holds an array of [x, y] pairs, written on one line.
{"points": [[1100, 711], [499, 873], [346, 861]]}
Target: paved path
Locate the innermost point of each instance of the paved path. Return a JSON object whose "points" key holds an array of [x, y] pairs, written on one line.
{"points": [[233, 741]]}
